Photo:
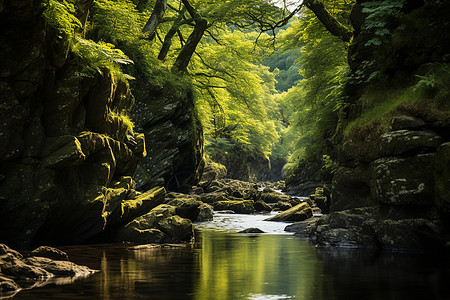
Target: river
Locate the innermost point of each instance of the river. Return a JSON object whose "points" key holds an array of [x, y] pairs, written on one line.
{"points": [[225, 265]]}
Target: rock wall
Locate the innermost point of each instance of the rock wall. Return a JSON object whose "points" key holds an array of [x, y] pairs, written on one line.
{"points": [[391, 189], [173, 136], [66, 157]]}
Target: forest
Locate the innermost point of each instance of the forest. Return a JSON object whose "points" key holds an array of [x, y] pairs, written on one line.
{"points": [[134, 121]]}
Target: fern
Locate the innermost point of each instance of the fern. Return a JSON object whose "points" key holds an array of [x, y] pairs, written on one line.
{"points": [[99, 56], [60, 15]]}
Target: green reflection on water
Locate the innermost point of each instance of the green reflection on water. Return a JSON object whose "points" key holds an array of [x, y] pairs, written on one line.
{"points": [[243, 267]]}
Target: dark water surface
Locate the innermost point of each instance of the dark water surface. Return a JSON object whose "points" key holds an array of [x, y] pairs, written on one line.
{"points": [[224, 265]]}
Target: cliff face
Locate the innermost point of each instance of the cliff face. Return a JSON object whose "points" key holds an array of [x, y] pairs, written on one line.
{"points": [[391, 189], [66, 153], [173, 136]]}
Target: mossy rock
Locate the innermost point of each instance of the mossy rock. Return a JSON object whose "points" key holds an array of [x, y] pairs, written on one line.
{"points": [[240, 207], [297, 213], [177, 228]]}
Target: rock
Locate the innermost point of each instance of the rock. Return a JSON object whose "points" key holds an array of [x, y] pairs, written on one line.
{"points": [[205, 213], [24, 270], [240, 207], [403, 181], [442, 178], [61, 152], [50, 252], [177, 228], [304, 179], [213, 170], [57, 267], [8, 288], [350, 188], [406, 122], [138, 236], [301, 228], [214, 197], [167, 111], [410, 234], [282, 205], [399, 142], [131, 209], [262, 206], [343, 237], [160, 225], [251, 230], [186, 207], [273, 197], [299, 212]]}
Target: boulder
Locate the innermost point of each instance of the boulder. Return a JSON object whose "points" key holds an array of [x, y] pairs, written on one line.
{"points": [[251, 230], [412, 234], [205, 213], [240, 207], [177, 228], [262, 206], [299, 212], [350, 188], [270, 196], [49, 252], [214, 197], [406, 122], [399, 142], [403, 181], [186, 207], [18, 273], [282, 205]]}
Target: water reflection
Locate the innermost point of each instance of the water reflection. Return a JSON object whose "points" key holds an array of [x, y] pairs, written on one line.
{"points": [[230, 266], [255, 267]]}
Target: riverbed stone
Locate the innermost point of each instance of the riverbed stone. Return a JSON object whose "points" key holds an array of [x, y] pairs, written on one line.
{"points": [[50, 252], [251, 230], [177, 228], [205, 213], [270, 196], [299, 212], [240, 207], [262, 206]]}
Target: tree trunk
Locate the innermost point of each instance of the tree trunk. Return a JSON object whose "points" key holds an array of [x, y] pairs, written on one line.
{"points": [[330, 23], [155, 18], [168, 38], [186, 52]]}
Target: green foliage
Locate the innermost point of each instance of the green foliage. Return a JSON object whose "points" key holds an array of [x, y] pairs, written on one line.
{"points": [[288, 72], [377, 19], [427, 98], [60, 15], [116, 21], [96, 57], [317, 98], [330, 165]]}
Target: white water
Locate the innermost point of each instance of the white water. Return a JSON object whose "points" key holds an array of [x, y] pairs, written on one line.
{"points": [[238, 222]]}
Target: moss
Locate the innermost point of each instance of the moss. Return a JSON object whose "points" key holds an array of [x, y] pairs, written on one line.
{"points": [[240, 207], [380, 106]]}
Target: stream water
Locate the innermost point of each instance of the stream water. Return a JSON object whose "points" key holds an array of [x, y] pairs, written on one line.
{"points": [[225, 265]]}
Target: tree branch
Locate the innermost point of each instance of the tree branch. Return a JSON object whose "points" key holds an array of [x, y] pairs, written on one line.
{"points": [[330, 23]]}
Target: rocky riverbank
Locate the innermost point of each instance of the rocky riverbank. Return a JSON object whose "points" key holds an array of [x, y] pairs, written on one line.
{"points": [[172, 220], [37, 268]]}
